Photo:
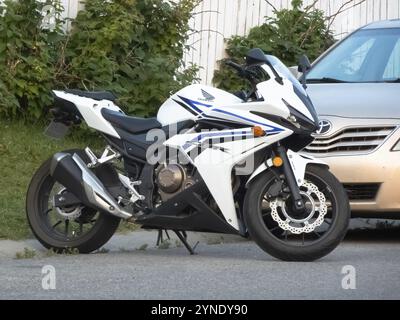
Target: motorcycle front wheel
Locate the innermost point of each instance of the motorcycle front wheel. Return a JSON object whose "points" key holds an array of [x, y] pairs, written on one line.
{"points": [[292, 236]]}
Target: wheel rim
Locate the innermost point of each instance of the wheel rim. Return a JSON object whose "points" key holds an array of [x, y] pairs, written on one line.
{"points": [[64, 224], [316, 231]]}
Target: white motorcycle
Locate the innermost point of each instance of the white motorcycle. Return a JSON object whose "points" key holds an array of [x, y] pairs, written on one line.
{"points": [[211, 161]]}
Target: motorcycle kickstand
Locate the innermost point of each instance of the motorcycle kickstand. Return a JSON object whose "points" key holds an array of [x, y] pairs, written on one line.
{"points": [[183, 236]]}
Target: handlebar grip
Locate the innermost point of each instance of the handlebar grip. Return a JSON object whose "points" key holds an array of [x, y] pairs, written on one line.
{"points": [[242, 72], [234, 65]]}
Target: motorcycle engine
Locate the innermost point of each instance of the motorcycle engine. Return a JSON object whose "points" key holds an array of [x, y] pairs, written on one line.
{"points": [[172, 179]]}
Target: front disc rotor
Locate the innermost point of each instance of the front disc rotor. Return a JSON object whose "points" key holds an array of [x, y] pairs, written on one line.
{"points": [[298, 226]]}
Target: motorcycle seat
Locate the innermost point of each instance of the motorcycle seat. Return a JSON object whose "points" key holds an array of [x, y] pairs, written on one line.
{"points": [[130, 124], [95, 95]]}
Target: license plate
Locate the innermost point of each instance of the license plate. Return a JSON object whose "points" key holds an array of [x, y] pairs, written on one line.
{"points": [[56, 130]]}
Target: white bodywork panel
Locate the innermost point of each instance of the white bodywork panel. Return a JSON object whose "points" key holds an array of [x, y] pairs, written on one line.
{"points": [[171, 112], [298, 163], [197, 96], [215, 165], [91, 111], [272, 92]]}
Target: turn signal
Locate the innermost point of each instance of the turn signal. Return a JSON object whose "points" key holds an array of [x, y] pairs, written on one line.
{"points": [[258, 131], [277, 161]]}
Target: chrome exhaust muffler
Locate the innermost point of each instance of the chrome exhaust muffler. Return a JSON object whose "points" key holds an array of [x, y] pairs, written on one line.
{"points": [[72, 172]]}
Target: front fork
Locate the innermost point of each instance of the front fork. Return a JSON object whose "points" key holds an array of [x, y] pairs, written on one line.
{"points": [[297, 199]]}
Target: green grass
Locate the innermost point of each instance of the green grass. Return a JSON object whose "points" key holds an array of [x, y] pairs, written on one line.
{"points": [[22, 149], [26, 254]]}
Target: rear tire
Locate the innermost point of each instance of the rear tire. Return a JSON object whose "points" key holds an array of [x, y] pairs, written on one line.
{"points": [[267, 238], [37, 211]]}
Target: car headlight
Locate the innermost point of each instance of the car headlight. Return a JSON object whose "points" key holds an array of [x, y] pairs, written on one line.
{"points": [[396, 146]]}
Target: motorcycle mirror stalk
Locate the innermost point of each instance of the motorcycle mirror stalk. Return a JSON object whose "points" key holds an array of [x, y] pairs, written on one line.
{"points": [[304, 67]]}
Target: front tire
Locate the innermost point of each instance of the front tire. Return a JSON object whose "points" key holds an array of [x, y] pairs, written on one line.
{"points": [[269, 235], [86, 233]]}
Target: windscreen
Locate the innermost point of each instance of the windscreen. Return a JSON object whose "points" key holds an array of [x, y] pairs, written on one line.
{"points": [[298, 88], [285, 72]]}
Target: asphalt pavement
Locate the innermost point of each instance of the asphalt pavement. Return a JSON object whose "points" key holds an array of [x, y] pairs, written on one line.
{"points": [[365, 266]]}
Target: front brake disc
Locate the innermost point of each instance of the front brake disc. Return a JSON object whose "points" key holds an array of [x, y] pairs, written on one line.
{"points": [[305, 226]]}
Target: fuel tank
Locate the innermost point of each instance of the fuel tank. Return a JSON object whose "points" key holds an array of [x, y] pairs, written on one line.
{"points": [[190, 102]]}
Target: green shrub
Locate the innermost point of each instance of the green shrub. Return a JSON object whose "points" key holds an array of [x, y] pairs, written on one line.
{"points": [[131, 47], [27, 58], [287, 35]]}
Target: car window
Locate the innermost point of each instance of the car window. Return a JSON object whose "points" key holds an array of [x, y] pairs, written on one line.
{"points": [[392, 70], [351, 66], [365, 56]]}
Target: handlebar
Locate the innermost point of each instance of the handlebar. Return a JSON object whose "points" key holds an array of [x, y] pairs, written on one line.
{"points": [[242, 71], [235, 66], [250, 75]]}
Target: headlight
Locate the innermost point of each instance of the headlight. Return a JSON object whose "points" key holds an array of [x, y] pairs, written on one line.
{"points": [[303, 122]]}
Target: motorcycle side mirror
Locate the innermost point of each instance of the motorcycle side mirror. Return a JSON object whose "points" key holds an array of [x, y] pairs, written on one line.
{"points": [[304, 64], [255, 56]]}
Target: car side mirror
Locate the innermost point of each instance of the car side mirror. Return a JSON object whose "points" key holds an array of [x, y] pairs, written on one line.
{"points": [[304, 64]]}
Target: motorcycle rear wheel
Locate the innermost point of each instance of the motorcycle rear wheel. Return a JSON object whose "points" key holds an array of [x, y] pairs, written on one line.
{"points": [[85, 231]]}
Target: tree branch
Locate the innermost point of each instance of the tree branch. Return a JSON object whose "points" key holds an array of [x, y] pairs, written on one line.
{"points": [[206, 11], [342, 9], [206, 30], [270, 4]]}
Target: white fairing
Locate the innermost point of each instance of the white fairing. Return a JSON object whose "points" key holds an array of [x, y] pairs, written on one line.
{"points": [[171, 112], [273, 92], [198, 98], [91, 111], [298, 162], [214, 165]]}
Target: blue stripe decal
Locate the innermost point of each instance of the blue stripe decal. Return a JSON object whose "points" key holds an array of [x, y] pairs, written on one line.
{"points": [[194, 104], [273, 129]]}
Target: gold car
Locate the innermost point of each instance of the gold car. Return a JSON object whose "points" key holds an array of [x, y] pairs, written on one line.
{"points": [[355, 87]]}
